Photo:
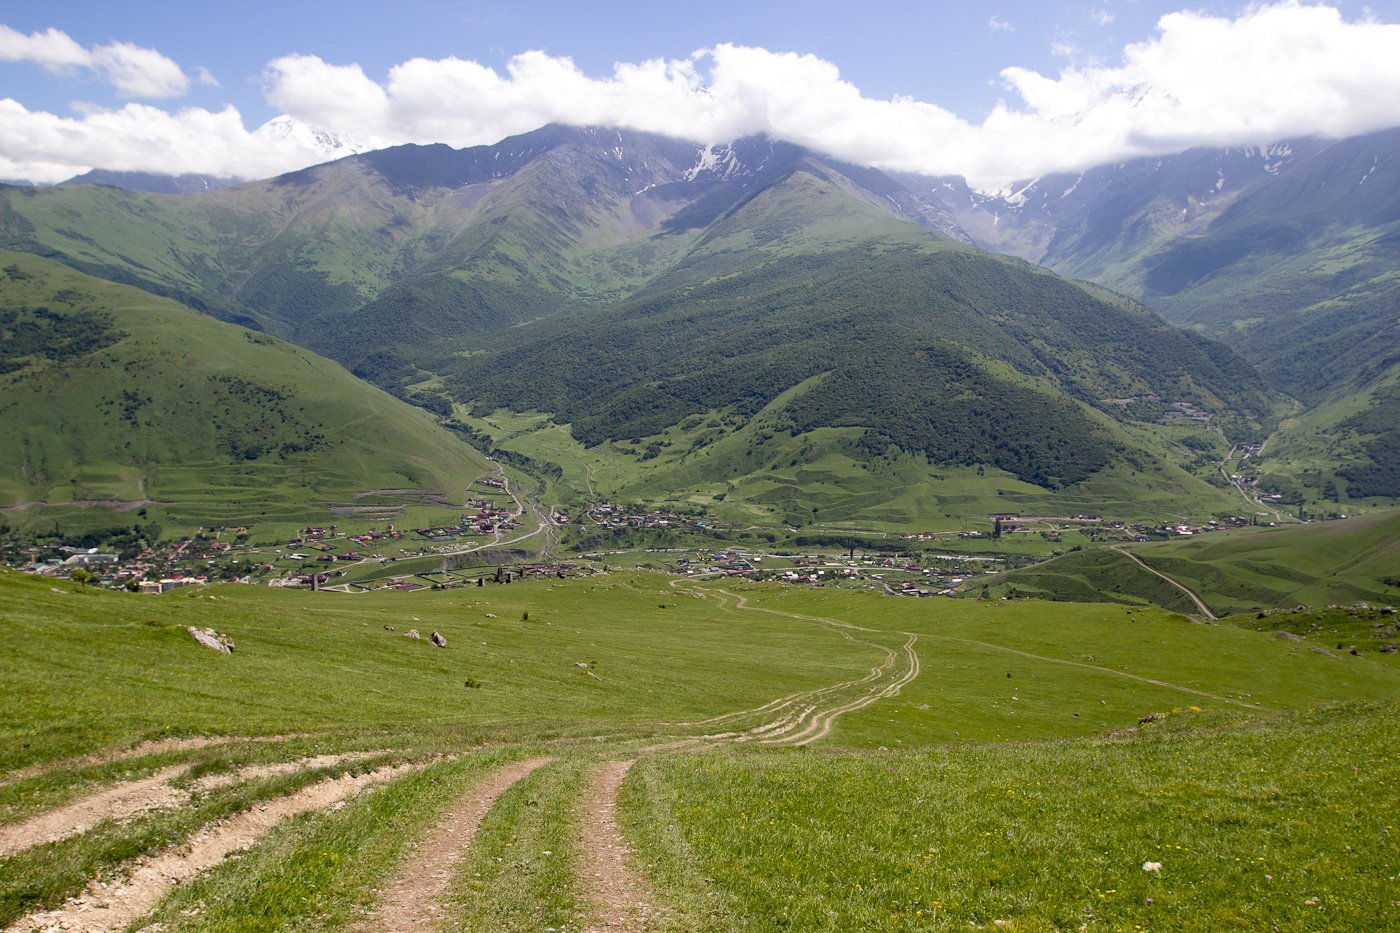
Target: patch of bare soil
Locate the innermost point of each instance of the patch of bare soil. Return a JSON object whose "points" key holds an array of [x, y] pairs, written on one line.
{"points": [[120, 800], [411, 901], [131, 798], [154, 747], [115, 905], [617, 892]]}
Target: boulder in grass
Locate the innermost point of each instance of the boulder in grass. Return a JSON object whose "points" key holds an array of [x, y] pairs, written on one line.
{"points": [[212, 639], [439, 640], [412, 633]]}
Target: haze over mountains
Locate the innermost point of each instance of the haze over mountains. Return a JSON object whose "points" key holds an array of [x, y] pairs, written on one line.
{"points": [[760, 323]]}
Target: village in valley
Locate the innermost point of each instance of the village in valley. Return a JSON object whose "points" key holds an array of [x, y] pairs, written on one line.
{"points": [[497, 538]]}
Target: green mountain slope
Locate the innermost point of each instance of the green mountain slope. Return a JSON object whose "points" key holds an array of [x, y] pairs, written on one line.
{"points": [[805, 311], [1339, 562], [627, 284], [114, 400], [1288, 253]]}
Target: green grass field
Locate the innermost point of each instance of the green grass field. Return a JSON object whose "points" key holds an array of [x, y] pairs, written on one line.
{"points": [[1245, 570], [977, 761]]}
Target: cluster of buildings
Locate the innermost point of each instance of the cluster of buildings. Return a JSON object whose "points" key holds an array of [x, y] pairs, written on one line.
{"points": [[899, 575], [185, 563], [488, 518], [615, 516]]}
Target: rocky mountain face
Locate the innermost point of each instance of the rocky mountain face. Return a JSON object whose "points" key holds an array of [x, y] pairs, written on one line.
{"points": [[1222, 240]]}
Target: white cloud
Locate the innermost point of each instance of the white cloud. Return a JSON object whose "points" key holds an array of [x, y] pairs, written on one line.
{"points": [[138, 72], [44, 148], [133, 70], [1103, 17], [997, 24], [1274, 72], [51, 48]]}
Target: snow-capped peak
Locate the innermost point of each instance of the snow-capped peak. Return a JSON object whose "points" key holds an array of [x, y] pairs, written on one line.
{"points": [[323, 143]]}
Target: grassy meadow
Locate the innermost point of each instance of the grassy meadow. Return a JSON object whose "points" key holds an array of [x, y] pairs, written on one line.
{"points": [[1243, 570], [1034, 757]]}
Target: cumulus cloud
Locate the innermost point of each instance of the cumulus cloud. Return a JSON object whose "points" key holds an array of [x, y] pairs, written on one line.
{"points": [[51, 48], [1274, 72], [997, 24], [133, 70], [45, 148]]}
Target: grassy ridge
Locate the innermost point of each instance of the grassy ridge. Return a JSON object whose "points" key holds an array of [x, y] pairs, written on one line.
{"points": [[1316, 564], [195, 421], [684, 299], [922, 343], [1337, 562]]}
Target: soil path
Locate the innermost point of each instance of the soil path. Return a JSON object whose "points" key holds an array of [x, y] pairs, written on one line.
{"points": [[111, 906], [120, 800], [807, 716], [1200, 603], [412, 900], [619, 896], [820, 724], [154, 747], [130, 798]]}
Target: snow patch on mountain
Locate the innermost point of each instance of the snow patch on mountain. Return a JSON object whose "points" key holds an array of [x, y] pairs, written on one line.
{"points": [[707, 159], [285, 130]]}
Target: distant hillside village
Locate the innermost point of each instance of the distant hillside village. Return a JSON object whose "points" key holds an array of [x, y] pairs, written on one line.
{"points": [[466, 552]]}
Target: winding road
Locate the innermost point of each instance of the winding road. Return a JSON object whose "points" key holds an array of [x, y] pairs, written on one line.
{"points": [[1200, 603]]}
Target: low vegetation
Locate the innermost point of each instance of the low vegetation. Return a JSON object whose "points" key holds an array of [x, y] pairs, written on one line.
{"points": [[1026, 767]]}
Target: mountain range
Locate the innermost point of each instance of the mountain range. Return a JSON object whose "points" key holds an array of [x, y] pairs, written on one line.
{"points": [[759, 326]]}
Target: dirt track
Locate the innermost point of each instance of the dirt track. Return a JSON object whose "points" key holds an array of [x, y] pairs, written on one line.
{"points": [[411, 901], [806, 717], [618, 895], [111, 906]]}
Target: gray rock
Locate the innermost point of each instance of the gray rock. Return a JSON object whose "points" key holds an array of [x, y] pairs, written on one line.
{"points": [[212, 639]]}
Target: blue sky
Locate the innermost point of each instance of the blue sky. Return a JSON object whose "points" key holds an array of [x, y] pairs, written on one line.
{"points": [[946, 53], [167, 75]]}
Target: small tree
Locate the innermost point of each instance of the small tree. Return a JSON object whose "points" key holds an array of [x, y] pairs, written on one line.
{"points": [[81, 576]]}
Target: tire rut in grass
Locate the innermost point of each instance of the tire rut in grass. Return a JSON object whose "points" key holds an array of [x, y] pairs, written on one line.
{"points": [[619, 896], [806, 717], [411, 902], [154, 747], [124, 799], [131, 798], [115, 905]]}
